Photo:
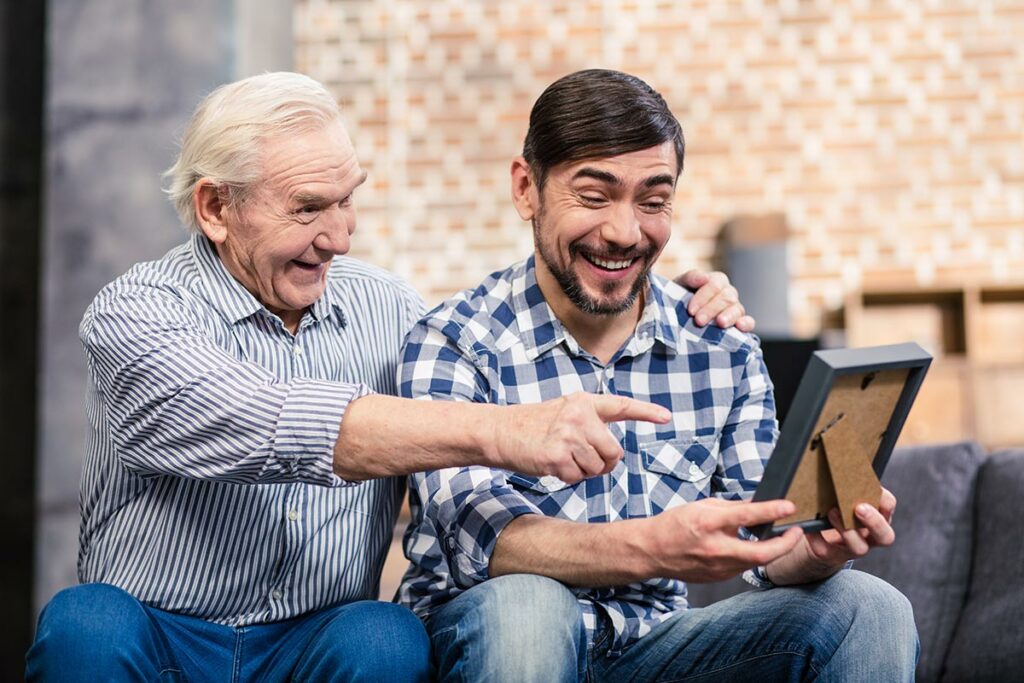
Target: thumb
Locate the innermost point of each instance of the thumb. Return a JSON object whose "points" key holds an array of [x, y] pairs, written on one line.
{"points": [[693, 279], [616, 408]]}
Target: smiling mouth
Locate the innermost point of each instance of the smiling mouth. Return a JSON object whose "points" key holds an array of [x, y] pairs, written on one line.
{"points": [[608, 264], [307, 266]]}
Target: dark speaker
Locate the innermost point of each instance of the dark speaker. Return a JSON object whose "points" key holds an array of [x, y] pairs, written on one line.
{"points": [[786, 360]]}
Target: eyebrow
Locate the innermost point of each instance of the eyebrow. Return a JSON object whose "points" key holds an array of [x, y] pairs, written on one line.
{"points": [[596, 174], [612, 179], [314, 198], [663, 179]]}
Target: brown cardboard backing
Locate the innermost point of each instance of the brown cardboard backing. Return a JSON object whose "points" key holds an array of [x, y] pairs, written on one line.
{"points": [[850, 427]]}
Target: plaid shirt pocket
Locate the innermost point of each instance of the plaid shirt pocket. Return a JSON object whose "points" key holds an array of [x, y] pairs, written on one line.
{"points": [[678, 471]]}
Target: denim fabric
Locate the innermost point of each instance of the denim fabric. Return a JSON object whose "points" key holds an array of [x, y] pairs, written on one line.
{"points": [[522, 628], [852, 627], [97, 632]]}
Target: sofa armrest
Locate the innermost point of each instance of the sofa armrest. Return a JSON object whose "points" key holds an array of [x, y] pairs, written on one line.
{"points": [[988, 644]]}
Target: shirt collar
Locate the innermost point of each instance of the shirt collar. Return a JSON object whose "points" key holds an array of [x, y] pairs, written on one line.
{"points": [[234, 301], [540, 330], [656, 322]]}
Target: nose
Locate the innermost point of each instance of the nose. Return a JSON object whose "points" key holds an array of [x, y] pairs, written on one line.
{"points": [[622, 228], [337, 226]]}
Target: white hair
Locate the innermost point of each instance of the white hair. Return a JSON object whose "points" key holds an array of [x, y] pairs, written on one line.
{"points": [[222, 140]]}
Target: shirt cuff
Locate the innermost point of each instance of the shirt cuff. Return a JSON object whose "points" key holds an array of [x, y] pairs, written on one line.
{"points": [[758, 578], [469, 543], [308, 427]]}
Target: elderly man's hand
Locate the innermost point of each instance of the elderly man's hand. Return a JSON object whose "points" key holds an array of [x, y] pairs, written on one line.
{"points": [[567, 437], [715, 299]]}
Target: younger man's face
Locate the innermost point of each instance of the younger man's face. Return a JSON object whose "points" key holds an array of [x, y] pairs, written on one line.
{"points": [[600, 225]]}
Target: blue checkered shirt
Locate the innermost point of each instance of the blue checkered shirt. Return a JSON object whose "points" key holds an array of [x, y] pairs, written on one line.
{"points": [[501, 343]]}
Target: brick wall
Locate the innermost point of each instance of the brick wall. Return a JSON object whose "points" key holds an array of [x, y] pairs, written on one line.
{"points": [[888, 133]]}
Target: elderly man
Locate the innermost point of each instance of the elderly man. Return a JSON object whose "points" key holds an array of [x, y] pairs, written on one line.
{"points": [[240, 487], [524, 578]]}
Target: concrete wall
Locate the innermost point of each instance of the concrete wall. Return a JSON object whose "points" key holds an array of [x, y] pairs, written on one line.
{"points": [[123, 78]]}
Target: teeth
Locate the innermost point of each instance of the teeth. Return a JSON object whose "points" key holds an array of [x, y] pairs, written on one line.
{"points": [[610, 265]]}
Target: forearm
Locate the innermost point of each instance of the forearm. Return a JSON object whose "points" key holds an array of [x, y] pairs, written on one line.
{"points": [[565, 437], [592, 555], [384, 436]]}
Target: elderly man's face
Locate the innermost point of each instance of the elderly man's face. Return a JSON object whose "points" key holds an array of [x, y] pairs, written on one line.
{"points": [[279, 242], [600, 226]]}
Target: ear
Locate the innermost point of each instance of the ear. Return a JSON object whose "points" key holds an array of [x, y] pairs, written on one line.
{"points": [[210, 205], [524, 190]]}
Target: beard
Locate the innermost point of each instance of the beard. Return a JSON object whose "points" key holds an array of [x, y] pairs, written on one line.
{"points": [[573, 289]]}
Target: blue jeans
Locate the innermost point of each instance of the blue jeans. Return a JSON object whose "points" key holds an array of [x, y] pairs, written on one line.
{"points": [[97, 632], [852, 627]]}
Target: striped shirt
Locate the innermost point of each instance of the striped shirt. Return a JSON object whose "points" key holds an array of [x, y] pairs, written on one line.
{"points": [[208, 487], [502, 344]]}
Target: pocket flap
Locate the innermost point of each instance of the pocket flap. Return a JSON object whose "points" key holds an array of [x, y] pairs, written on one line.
{"points": [[691, 458]]}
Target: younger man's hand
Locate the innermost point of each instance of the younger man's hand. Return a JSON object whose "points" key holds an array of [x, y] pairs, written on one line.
{"points": [[698, 542], [825, 552]]}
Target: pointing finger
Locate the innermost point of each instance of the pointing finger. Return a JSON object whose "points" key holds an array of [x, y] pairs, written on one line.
{"points": [[616, 408]]}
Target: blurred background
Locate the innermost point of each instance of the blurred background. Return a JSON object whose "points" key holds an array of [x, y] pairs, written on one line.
{"points": [[856, 166]]}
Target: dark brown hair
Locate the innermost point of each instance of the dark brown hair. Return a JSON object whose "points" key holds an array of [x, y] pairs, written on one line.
{"points": [[597, 113]]}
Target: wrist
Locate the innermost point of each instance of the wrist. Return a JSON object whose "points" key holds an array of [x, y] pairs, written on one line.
{"points": [[488, 435], [788, 569], [799, 566], [642, 557]]}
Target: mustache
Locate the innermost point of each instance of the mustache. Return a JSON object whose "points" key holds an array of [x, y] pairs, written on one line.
{"points": [[611, 253]]}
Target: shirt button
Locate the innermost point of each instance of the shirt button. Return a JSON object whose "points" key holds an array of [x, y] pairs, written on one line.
{"points": [[694, 470], [276, 594], [293, 515], [297, 350]]}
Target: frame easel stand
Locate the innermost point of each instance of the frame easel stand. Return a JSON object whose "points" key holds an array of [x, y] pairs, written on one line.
{"points": [[853, 478]]}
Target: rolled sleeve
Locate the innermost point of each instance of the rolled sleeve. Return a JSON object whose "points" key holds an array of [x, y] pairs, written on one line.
{"points": [[177, 404], [460, 510], [467, 518], [307, 429]]}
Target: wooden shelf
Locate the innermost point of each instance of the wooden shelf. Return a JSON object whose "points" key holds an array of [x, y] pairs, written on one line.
{"points": [[973, 389], [934, 319], [997, 326]]}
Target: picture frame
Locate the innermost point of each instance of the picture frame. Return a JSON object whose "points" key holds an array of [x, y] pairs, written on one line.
{"points": [[846, 416]]}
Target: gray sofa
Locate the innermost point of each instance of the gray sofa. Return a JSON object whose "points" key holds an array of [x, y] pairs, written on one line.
{"points": [[958, 557]]}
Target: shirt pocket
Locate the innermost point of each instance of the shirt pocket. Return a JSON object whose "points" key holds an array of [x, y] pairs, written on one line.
{"points": [[678, 471], [553, 496]]}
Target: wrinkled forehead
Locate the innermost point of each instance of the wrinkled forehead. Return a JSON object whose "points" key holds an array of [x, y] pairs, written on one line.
{"points": [[320, 154]]}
